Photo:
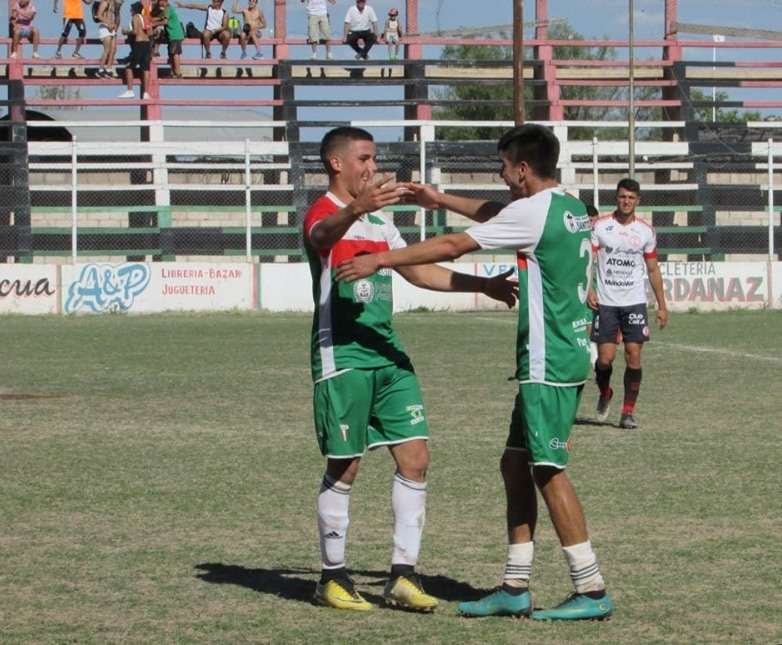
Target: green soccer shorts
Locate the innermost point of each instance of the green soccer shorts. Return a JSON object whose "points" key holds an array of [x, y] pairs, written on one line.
{"points": [[365, 409], [541, 422]]}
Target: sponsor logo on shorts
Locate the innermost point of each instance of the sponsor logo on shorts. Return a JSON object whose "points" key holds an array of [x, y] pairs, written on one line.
{"points": [[363, 291], [416, 413], [556, 444], [636, 319], [645, 331]]}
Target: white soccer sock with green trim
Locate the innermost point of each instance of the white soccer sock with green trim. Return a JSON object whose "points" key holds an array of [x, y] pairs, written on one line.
{"points": [[584, 570], [518, 567], [408, 499], [333, 520]]}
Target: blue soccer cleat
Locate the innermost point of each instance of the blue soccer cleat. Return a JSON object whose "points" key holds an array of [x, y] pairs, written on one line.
{"points": [[578, 607], [498, 603]]}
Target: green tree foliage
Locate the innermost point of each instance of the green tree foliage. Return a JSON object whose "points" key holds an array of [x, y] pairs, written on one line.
{"points": [[723, 115], [499, 97]]}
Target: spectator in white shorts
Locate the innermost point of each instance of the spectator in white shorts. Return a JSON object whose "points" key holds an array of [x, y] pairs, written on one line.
{"points": [[22, 15], [106, 14], [318, 27]]}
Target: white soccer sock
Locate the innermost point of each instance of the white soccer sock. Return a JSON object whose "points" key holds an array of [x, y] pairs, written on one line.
{"points": [[408, 499], [584, 570], [333, 520], [518, 567], [592, 353]]}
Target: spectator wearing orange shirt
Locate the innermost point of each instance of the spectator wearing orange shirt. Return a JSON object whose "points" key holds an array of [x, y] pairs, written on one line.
{"points": [[72, 16]]}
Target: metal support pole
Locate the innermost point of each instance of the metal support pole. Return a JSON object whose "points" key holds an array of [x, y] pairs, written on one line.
{"points": [[425, 134], [595, 176], [518, 62], [631, 115], [74, 202], [770, 267], [248, 214]]}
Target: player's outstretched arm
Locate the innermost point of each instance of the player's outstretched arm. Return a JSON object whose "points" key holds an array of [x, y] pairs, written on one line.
{"points": [[437, 249], [373, 197], [656, 282], [478, 210], [436, 278]]}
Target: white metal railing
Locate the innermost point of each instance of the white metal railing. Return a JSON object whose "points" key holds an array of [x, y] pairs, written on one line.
{"points": [[250, 156]]}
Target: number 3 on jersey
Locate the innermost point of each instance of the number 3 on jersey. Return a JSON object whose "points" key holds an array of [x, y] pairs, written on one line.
{"points": [[585, 249]]}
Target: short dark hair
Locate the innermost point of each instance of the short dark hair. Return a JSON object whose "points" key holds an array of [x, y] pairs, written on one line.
{"points": [[629, 184], [337, 138], [534, 144], [592, 211]]}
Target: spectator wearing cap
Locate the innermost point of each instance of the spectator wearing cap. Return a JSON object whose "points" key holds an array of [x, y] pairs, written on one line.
{"points": [[392, 33], [361, 31]]}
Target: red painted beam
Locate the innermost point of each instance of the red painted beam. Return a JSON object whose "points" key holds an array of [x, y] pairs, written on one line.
{"points": [[162, 102]]}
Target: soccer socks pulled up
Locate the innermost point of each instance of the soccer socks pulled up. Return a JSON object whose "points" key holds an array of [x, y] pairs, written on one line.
{"points": [[518, 566], [333, 520], [632, 387], [603, 379], [408, 500], [584, 570]]}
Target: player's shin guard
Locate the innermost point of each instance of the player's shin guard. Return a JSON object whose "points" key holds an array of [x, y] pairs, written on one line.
{"points": [[333, 520], [408, 499], [584, 570], [603, 378], [632, 387]]}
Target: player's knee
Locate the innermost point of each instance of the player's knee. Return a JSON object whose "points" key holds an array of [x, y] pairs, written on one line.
{"points": [[414, 463]]}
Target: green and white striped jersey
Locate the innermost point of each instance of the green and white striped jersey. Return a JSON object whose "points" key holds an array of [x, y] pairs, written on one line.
{"points": [[550, 233]]}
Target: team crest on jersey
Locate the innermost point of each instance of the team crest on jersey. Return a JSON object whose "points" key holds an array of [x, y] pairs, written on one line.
{"points": [[576, 223], [363, 291]]}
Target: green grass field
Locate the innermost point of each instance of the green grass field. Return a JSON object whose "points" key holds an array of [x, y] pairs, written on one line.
{"points": [[158, 478]]}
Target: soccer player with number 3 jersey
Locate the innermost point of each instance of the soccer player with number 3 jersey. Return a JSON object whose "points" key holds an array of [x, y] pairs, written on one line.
{"points": [[366, 391], [626, 250], [550, 232]]}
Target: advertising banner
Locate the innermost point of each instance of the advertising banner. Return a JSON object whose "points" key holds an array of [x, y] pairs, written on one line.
{"points": [[139, 287], [28, 289], [714, 285]]}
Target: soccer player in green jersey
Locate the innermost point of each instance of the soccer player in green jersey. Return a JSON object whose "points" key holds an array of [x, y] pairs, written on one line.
{"points": [[549, 230], [366, 392]]}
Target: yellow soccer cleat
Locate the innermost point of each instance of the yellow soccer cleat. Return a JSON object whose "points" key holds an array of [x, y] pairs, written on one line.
{"points": [[406, 592], [340, 594]]}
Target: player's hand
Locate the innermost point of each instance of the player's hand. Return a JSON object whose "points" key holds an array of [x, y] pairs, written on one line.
{"points": [[376, 195], [421, 194], [502, 289], [592, 300], [662, 317], [358, 267]]}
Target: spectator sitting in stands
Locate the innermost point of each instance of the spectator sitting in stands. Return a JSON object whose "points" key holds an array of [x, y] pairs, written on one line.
{"points": [[107, 16], [360, 27], [72, 16], [392, 33], [216, 25], [22, 15], [252, 30], [175, 34], [318, 27], [140, 52]]}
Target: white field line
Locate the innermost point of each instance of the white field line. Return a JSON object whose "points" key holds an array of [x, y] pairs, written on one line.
{"points": [[682, 346]]}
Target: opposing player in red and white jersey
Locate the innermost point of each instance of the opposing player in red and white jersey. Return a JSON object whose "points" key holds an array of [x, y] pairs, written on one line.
{"points": [[367, 394], [626, 250]]}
